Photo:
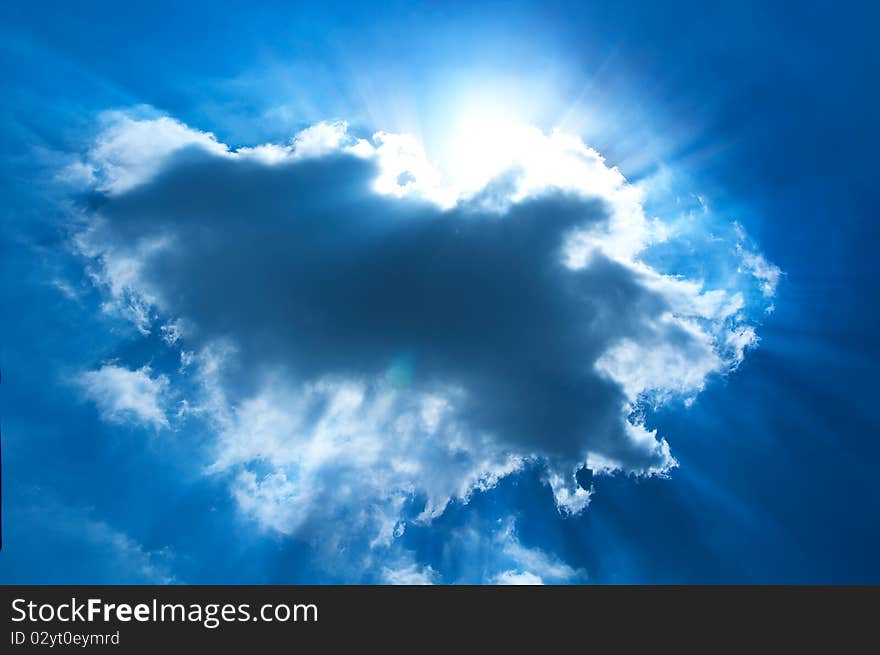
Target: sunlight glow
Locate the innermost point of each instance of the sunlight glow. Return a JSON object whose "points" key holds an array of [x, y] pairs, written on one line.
{"points": [[483, 146], [491, 156]]}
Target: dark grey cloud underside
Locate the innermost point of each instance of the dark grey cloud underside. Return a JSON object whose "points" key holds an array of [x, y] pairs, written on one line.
{"points": [[308, 269]]}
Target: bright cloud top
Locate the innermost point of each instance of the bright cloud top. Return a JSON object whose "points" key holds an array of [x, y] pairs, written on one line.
{"points": [[369, 335]]}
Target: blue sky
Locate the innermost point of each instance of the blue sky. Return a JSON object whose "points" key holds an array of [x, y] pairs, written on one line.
{"points": [[746, 130]]}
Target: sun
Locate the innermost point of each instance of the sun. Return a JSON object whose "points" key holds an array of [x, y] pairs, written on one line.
{"points": [[484, 145]]}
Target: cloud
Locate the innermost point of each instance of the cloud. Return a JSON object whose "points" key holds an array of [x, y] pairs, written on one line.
{"points": [[62, 533], [128, 151], [530, 565], [369, 340], [757, 265], [136, 562], [65, 288], [127, 396], [409, 575], [491, 551], [518, 578]]}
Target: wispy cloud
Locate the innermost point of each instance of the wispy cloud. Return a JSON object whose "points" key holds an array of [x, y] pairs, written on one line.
{"points": [[127, 396]]}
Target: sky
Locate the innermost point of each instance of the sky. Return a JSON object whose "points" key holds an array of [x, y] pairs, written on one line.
{"points": [[493, 293]]}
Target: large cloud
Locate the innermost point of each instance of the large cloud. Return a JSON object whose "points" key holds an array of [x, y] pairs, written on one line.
{"points": [[362, 335]]}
